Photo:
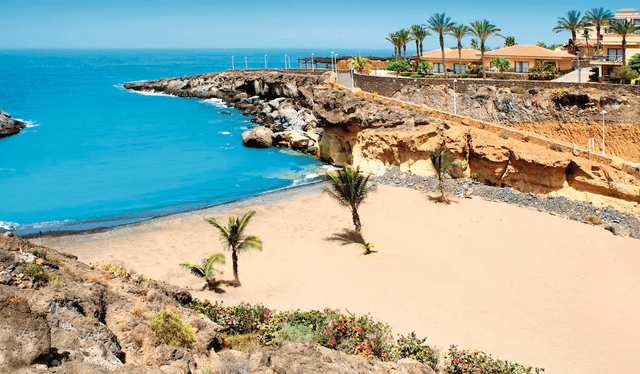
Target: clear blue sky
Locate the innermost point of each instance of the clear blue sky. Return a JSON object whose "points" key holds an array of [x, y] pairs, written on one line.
{"points": [[359, 25]]}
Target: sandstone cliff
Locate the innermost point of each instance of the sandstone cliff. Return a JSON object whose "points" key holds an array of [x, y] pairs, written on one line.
{"points": [[375, 134], [9, 126]]}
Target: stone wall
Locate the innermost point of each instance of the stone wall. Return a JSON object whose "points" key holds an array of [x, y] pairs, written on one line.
{"points": [[388, 86]]}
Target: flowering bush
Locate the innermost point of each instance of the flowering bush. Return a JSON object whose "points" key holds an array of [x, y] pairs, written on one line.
{"points": [[477, 362], [412, 347]]}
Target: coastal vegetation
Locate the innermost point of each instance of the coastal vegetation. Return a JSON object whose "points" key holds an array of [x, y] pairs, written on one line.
{"points": [[233, 238], [442, 165], [501, 63], [459, 32], [206, 270], [256, 325], [350, 188], [168, 328], [598, 17], [358, 63], [440, 24], [571, 22], [482, 30], [418, 34]]}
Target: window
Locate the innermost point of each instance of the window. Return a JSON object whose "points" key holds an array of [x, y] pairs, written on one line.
{"points": [[522, 66], [437, 67], [614, 54], [456, 69]]}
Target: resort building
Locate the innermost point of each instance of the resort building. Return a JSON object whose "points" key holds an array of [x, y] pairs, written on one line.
{"points": [[469, 57], [523, 57], [610, 55]]}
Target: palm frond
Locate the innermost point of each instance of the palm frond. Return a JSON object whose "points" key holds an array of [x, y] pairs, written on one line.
{"points": [[195, 270], [250, 242]]}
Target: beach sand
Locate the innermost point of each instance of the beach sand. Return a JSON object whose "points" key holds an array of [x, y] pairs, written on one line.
{"points": [[520, 284]]}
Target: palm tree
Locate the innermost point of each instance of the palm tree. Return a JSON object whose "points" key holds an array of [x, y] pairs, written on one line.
{"points": [[624, 28], [418, 33], [482, 30], [509, 41], [206, 270], [586, 36], [441, 25], [598, 17], [350, 188], [233, 238], [358, 62], [571, 22], [442, 163], [403, 38], [473, 43], [393, 38], [459, 32], [502, 64]]}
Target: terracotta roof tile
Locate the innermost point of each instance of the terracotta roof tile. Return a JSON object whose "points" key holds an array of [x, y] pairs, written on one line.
{"points": [[528, 51]]}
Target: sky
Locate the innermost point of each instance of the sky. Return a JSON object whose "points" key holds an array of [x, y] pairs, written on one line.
{"points": [[325, 24]]}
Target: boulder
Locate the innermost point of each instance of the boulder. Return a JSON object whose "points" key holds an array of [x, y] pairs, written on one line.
{"points": [[258, 137], [299, 141], [9, 126]]}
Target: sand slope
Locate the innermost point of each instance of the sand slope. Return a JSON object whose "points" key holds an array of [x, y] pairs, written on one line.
{"points": [[523, 285]]}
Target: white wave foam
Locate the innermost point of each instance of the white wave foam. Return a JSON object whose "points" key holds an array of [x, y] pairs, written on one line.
{"points": [[215, 102], [151, 93], [224, 133], [30, 124], [8, 225], [330, 168]]}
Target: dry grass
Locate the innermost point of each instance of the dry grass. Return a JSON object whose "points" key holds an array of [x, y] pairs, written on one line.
{"points": [[139, 309], [594, 220]]}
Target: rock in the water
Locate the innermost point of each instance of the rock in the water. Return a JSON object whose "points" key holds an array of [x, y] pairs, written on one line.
{"points": [[9, 126], [258, 137]]}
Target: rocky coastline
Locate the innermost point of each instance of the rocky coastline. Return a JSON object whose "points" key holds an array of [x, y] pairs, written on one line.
{"points": [[9, 126]]}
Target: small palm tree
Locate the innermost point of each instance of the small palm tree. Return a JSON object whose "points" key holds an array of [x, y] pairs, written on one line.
{"points": [[571, 22], [501, 63], [459, 32], [233, 238], [418, 34], [586, 36], [442, 164], [509, 41], [624, 28], [598, 17], [206, 270], [350, 188], [482, 30], [441, 25], [358, 63]]}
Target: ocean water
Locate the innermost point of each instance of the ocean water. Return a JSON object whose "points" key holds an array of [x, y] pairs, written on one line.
{"points": [[94, 154]]}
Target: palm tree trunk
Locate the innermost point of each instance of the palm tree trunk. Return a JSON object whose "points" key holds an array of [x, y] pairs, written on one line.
{"points": [[459, 58], [624, 50], [444, 60], [421, 48], [404, 48], [597, 38], [575, 47], [358, 226], [484, 72], [234, 257], [418, 50]]}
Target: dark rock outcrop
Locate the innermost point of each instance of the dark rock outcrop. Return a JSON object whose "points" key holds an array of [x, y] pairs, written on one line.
{"points": [[9, 126]]}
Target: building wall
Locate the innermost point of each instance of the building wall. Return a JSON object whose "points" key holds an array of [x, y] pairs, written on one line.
{"points": [[561, 65]]}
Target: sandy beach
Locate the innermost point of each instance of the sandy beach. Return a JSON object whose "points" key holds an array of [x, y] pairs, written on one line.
{"points": [[520, 284]]}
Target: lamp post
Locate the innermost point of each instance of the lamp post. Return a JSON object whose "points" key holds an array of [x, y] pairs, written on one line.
{"points": [[246, 66], [454, 97], [285, 62], [233, 66], [332, 59], [312, 66], [265, 62], [579, 69], [603, 113]]}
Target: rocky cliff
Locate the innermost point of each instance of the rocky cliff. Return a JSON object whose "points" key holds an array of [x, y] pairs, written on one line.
{"points": [[60, 315], [9, 126], [352, 128]]}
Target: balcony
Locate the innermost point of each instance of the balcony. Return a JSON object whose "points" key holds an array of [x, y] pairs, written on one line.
{"points": [[606, 60]]}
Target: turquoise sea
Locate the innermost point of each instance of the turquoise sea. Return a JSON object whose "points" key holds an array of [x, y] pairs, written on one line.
{"points": [[94, 154]]}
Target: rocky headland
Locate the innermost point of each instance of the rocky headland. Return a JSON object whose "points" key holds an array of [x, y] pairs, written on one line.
{"points": [[8, 125], [59, 315], [309, 112]]}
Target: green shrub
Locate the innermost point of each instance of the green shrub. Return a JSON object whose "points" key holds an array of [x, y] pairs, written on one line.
{"points": [[623, 74], [433, 76], [295, 333], [503, 135], [313, 319], [37, 273], [501, 63], [416, 75], [543, 71], [468, 75], [405, 74], [425, 66], [168, 328], [631, 169], [594, 220], [412, 347], [475, 69], [475, 362], [634, 62], [517, 89], [398, 65]]}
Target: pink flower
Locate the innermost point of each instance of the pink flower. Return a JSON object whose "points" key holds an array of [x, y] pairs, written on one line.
{"points": [[332, 341]]}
